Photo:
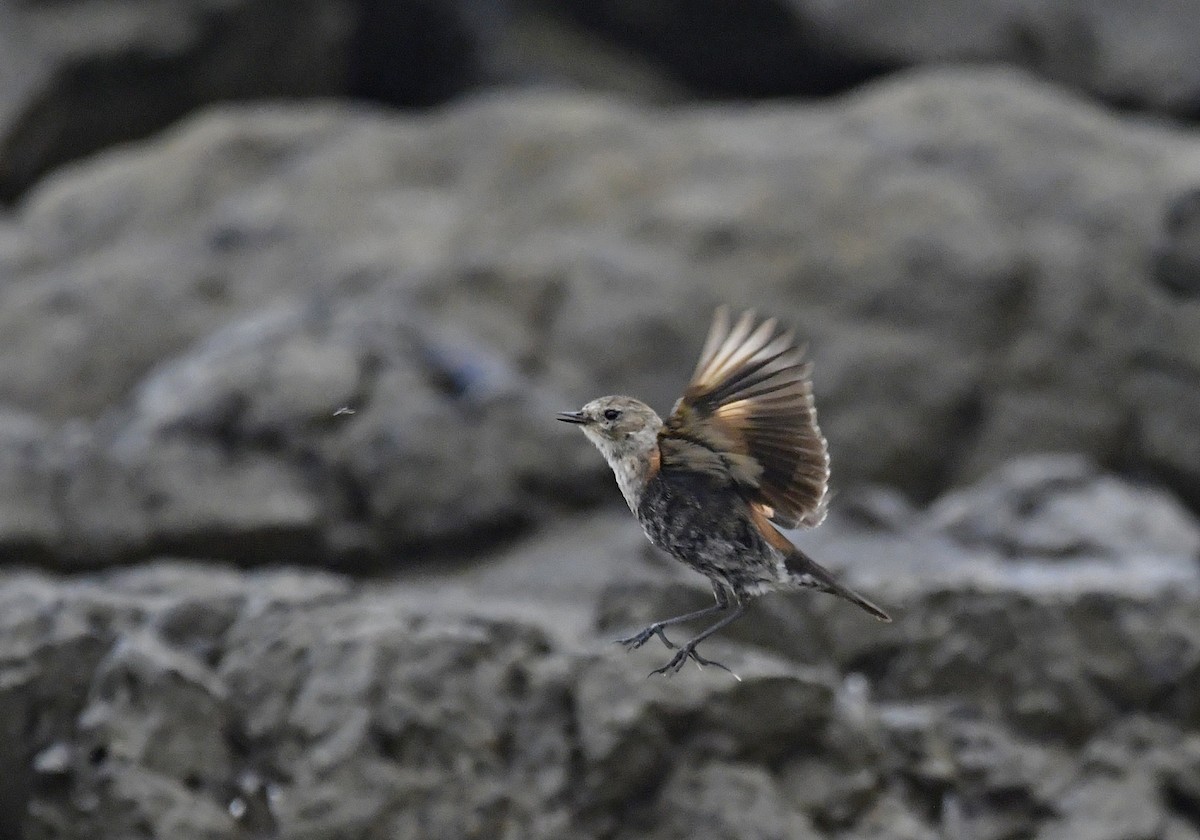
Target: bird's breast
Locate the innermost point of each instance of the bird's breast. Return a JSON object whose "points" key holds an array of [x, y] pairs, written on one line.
{"points": [[631, 478], [699, 521]]}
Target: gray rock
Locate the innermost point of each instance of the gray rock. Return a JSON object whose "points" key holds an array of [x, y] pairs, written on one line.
{"points": [[204, 702], [892, 817], [1061, 506], [1131, 54], [724, 802], [1056, 651], [1127, 53], [92, 76], [394, 721], [138, 761], [1177, 253], [458, 277], [238, 450], [304, 717], [1123, 785], [31, 522], [545, 48], [423, 52], [766, 49], [80, 76], [630, 728], [980, 779], [1055, 665]]}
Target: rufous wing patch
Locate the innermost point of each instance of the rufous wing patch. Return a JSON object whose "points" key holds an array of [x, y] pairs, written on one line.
{"points": [[750, 403], [760, 518]]}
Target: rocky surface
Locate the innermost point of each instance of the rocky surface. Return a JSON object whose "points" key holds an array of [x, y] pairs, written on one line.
{"points": [[189, 700], [972, 257], [292, 546], [1126, 52], [77, 76], [81, 75]]}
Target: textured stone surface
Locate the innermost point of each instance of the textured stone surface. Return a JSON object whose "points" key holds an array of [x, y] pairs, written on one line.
{"points": [[1127, 52], [187, 317], [1056, 651], [487, 701], [279, 337], [1060, 506], [196, 701], [83, 75]]}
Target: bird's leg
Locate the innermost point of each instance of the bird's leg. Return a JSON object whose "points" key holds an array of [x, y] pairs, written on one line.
{"points": [[656, 629], [688, 651]]}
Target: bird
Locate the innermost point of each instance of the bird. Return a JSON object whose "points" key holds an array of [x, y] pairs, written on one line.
{"points": [[740, 454]]}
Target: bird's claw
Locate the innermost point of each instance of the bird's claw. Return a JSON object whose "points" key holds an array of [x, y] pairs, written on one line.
{"points": [[678, 660], [638, 639]]}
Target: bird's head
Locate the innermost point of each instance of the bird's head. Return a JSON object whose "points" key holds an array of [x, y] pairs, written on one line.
{"points": [[620, 427]]}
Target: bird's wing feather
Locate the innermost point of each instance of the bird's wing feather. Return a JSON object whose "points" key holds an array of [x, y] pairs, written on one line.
{"points": [[747, 417]]}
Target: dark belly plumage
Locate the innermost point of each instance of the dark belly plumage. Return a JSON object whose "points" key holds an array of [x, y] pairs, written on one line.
{"points": [[707, 527]]}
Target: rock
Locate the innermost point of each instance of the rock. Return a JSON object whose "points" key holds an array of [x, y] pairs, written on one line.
{"points": [[1055, 665], [1060, 506], [237, 450], [31, 523], [545, 48], [1120, 52], [1056, 651], [1177, 254], [454, 415], [1129, 54], [423, 52], [79, 77], [892, 817], [629, 728], [1123, 799], [302, 705], [980, 779], [117, 503], [766, 49], [458, 278], [723, 802], [138, 760], [209, 702], [91, 77], [830, 793], [395, 721]]}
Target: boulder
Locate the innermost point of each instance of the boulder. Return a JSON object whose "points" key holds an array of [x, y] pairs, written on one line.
{"points": [[80, 76], [1063, 506], [1130, 54], [1057, 650], [200, 701], [189, 317]]}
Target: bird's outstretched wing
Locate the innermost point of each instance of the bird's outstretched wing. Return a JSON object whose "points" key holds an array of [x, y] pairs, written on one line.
{"points": [[747, 417]]}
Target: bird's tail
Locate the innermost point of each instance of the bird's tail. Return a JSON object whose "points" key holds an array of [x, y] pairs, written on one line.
{"points": [[809, 573]]}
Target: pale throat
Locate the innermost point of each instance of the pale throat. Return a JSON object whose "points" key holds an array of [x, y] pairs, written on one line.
{"points": [[631, 476], [630, 460]]}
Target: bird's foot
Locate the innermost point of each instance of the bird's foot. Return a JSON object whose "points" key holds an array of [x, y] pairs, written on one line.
{"points": [[638, 639], [685, 653]]}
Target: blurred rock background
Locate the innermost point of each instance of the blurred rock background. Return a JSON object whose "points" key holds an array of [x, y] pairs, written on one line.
{"points": [[231, 609]]}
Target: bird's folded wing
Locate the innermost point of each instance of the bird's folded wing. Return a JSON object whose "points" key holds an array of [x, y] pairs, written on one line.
{"points": [[747, 417]]}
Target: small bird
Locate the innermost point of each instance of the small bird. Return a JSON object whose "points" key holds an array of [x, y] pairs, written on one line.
{"points": [[740, 451]]}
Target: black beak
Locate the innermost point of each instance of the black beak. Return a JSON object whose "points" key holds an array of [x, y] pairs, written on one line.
{"points": [[572, 417]]}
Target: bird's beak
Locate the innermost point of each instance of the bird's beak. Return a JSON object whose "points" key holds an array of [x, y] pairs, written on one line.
{"points": [[572, 417]]}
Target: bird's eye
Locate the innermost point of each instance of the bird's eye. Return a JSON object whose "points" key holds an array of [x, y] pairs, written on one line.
{"points": [[612, 414]]}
